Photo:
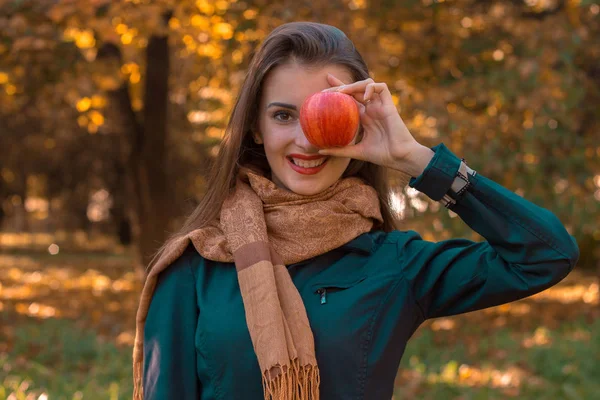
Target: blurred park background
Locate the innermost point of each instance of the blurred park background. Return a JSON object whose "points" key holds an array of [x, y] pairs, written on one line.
{"points": [[112, 110]]}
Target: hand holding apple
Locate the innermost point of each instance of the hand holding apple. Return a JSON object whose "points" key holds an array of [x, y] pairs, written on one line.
{"points": [[386, 140], [329, 119]]}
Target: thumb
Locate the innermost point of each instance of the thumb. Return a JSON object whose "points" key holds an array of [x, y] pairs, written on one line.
{"points": [[351, 151]]}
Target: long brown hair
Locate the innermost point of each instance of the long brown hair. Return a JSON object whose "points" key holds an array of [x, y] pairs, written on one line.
{"points": [[306, 43]]}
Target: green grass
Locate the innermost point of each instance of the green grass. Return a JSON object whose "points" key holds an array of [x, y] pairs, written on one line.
{"points": [[59, 359], [544, 347], [56, 358], [544, 364]]}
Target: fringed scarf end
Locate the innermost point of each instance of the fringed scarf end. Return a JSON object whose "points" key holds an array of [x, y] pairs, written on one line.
{"points": [[295, 382]]}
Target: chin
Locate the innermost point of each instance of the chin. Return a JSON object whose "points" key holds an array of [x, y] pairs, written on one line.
{"points": [[307, 185], [307, 189]]}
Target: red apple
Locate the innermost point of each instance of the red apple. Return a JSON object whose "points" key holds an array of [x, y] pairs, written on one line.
{"points": [[329, 119]]}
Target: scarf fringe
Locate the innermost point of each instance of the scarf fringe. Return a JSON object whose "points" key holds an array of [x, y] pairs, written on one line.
{"points": [[295, 383]]}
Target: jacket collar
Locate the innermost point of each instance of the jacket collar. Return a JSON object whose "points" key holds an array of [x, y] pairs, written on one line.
{"points": [[361, 244]]}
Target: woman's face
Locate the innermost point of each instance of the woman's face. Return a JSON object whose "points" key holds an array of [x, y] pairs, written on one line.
{"points": [[284, 90]]}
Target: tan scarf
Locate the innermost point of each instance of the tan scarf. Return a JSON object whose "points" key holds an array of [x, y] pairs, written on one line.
{"points": [[262, 228]]}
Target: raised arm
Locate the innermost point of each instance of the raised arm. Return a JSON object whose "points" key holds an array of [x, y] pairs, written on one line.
{"points": [[169, 349], [527, 248]]}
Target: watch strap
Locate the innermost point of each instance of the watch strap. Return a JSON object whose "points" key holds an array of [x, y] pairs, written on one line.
{"points": [[459, 186]]}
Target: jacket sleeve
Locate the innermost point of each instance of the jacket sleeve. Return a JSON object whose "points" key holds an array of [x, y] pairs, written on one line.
{"points": [[169, 332], [527, 249]]}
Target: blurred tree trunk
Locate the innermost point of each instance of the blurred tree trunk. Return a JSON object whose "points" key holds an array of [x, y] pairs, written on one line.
{"points": [[143, 151], [3, 197], [155, 208]]}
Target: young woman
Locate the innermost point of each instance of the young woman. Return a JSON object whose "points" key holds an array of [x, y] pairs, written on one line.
{"points": [[290, 280]]}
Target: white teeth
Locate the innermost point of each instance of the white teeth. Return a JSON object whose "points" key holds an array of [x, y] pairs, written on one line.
{"points": [[308, 164]]}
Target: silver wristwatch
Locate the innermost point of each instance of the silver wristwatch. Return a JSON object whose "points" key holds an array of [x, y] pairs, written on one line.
{"points": [[459, 186]]}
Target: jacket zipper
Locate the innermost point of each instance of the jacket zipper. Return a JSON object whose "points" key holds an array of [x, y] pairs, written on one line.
{"points": [[323, 293]]}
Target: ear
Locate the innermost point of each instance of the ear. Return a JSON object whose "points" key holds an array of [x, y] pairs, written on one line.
{"points": [[257, 138]]}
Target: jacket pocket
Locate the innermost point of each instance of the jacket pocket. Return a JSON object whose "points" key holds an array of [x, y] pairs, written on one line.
{"points": [[323, 289]]}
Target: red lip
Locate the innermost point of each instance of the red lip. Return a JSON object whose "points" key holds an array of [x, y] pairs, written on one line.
{"points": [[303, 157], [306, 171]]}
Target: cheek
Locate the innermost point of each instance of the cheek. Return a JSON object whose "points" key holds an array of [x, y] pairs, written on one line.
{"points": [[273, 145], [340, 165], [276, 138]]}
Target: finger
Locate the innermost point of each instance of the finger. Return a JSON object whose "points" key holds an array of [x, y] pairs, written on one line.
{"points": [[349, 88], [358, 97], [362, 91], [351, 151], [361, 107], [379, 88], [356, 86], [335, 82], [333, 89]]}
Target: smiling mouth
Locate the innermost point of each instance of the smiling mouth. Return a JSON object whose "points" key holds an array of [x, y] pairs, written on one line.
{"points": [[308, 163], [311, 170]]}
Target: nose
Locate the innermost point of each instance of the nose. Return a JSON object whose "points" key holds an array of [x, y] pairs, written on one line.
{"points": [[302, 142]]}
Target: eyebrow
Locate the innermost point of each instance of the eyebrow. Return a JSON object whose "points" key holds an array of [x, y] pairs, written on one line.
{"points": [[291, 106]]}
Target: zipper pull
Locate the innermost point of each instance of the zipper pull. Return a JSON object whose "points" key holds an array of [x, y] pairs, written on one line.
{"points": [[323, 293]]}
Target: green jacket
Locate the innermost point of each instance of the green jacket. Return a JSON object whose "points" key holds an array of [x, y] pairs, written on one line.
{"points": [[364, 299]]}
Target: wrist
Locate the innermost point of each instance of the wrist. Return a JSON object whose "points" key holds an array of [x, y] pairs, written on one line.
{"points": [[415, 161]]}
